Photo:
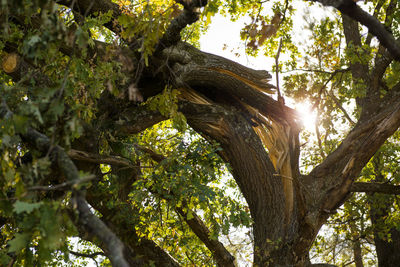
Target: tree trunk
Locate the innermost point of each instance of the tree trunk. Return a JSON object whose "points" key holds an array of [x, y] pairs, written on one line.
{"points": [[357, 253], [387, 245]]}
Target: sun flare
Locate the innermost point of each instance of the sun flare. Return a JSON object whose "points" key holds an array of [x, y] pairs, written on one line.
{"points": [[308, 116]]}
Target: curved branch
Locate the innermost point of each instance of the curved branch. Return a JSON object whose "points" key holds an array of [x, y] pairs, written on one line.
{"points": [[91, 7], [93, 224], [351, 9], [189, 16], [221, 255], [340, 168], [139, 249]]}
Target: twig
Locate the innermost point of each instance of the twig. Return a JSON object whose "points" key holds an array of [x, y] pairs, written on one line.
{"points": [[318, 71], [323, 87], [346, 115], [375, 14], [62, 186], [277, 70], [284, 14], [93, 255], [100, 159], [319, 136]]}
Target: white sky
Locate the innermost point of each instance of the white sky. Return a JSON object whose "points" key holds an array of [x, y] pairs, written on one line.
{"points": [[222, 32]]}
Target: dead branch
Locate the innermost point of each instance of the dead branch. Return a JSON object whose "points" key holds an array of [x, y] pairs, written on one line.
{"points": [[277, 70]]}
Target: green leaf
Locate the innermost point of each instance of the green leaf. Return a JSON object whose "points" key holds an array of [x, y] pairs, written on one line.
{"points": [[20, 206], [9, 175], [6, 140], [49, 225], [33, 40], [20, 123], [4, 259], [19, 242]]}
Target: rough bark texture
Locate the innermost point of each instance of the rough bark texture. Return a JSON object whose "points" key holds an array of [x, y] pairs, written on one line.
{"points": [[387, 241], [386, 250]]}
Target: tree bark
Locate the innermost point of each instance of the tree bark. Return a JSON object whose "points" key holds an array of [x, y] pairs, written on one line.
{"points": [[387, 242], [386, 247]]}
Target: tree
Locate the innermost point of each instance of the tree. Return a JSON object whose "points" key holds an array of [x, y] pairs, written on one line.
{"points": [[83, 157]]}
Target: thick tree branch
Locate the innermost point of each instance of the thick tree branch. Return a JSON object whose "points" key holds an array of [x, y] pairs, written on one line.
{"points": [[382, 61], [383, 58], [91, 7], [344, 164], [93, 224], [375, 188], [351, 9], [221, 255], [139, 248], [251, 167], [139, 251], [57, 154], [375, 15], [359, 69], [123, 118], [189, 15]]}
